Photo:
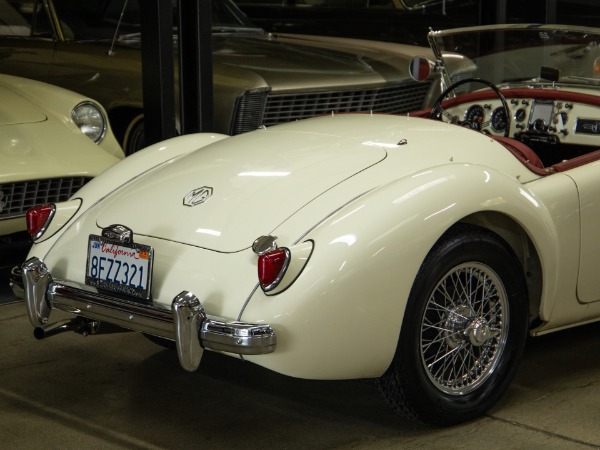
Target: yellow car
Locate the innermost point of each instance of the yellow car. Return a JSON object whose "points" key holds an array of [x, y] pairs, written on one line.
{"points": [[52, 141]]}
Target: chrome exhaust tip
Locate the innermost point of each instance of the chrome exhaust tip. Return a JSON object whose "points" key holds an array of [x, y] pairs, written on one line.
{"points": [[79, 325]]}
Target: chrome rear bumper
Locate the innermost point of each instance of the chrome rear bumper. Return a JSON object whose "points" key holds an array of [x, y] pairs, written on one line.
{"points": [[186, 323], [15, 280]]}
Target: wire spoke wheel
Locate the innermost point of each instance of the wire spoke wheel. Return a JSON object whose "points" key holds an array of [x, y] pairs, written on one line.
{"points": [[463, 332]]}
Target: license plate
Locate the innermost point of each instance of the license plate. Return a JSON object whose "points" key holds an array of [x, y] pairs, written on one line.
{"points": [[117, 267]]}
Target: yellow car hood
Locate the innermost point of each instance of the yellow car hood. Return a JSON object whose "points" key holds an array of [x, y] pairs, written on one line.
{"points": [[18, 109]]}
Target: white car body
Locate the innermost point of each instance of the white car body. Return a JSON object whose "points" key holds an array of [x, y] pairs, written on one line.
{"points": [[363, 203]]}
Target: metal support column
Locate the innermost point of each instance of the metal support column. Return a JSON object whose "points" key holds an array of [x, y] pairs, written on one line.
{"points": [[158, 70], [492, 12], [551, 14], [195, 66]]}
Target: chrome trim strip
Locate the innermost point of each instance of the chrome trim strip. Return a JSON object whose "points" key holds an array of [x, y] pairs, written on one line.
{"points": [[186, 323], [301, 238], [248, 300]]}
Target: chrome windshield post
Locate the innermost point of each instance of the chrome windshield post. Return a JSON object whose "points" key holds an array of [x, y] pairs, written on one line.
{"points": [[439, 60]]}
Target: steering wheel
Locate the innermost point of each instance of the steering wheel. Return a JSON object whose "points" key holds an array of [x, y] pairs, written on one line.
{"points": [[437, 111]]}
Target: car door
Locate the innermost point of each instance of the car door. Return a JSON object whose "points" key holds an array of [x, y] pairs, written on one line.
{"points": [[586, 179], [27, 38]]}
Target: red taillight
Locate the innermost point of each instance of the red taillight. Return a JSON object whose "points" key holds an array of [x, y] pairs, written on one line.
{"points": [[272, 266], [38, 218]]}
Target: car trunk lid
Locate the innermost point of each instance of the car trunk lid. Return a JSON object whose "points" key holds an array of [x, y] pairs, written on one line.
{"points": [[223, 197]]}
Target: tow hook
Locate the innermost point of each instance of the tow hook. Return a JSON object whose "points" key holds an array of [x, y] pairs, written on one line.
{"points": [[79, 325]]}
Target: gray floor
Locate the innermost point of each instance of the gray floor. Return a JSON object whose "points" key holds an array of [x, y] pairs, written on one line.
{"points": [[121, 391]]}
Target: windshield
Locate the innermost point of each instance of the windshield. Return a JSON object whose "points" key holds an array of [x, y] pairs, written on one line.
{"points": [[520, 53], [97, 19]]}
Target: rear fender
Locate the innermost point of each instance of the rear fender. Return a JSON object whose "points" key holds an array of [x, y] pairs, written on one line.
{"points": [[341, 318]]}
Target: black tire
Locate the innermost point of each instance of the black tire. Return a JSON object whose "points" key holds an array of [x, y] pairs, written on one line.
{"points": [[463, 333], [134, 138]]}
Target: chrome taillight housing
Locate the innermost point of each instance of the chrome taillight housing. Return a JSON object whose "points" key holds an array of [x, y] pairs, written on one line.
{"points": [[38, 218], [279, 267], [272, 267]]}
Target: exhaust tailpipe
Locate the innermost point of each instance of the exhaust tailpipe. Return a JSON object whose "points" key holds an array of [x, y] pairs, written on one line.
{"points": [[79, 325]]}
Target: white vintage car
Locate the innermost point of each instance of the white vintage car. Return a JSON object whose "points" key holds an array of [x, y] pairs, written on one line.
{"points": [[52, 142], [418, 251]]}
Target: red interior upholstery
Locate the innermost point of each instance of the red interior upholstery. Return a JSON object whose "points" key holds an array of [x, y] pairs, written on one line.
{"points": [[524, 153], [577, 161]]}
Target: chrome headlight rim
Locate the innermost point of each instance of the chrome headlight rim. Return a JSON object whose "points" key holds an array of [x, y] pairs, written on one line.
{"points": [[85, 120]]}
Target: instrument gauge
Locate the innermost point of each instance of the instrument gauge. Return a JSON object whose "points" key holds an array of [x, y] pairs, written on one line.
{"points": [[520, 115], [474, 117], [498, 119]]}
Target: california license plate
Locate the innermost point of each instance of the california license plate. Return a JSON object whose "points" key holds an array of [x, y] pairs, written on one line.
{"points": [[124, 268]]}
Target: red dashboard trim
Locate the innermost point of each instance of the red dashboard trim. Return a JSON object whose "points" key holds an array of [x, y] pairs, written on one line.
{"points": [[536, 94]]}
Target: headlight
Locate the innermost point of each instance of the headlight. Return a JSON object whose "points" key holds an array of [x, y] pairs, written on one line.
{"points": [[90, 120]]}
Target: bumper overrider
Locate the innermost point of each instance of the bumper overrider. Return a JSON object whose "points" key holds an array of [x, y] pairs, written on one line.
{"points": [[186, 323]]}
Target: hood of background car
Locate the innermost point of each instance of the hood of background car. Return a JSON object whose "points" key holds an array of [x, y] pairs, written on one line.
{"points": [[15, 109], [298, 60], [264, 52], [289, 61], [224, 196]]}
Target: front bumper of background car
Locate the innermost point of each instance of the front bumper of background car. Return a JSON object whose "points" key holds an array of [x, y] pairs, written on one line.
{"points": [[186, 323]]}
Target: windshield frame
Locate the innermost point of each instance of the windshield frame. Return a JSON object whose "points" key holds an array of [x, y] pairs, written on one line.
{"points": [[561, 45]]}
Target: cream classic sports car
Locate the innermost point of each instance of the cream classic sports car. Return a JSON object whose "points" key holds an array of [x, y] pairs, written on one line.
{"points": [[93, 47], [418, 250], [52, 142]]}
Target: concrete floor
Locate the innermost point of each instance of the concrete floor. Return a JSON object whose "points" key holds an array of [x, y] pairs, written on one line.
{"points": [[121, 391]]}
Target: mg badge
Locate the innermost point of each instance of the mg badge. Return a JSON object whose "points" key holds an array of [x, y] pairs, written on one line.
{"points": [[197, 196], [2, 201]]}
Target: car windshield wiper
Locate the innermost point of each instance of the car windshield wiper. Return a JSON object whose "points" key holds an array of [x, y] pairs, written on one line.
{"points": [[519, 80], [581, 80]]}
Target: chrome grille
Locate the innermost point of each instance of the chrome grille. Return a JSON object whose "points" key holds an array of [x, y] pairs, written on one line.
{"points": [[248, 111], [393, 99], [263, 108], [17, 198]]}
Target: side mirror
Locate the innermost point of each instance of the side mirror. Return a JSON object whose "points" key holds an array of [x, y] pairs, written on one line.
{"points": [[420, 68]]}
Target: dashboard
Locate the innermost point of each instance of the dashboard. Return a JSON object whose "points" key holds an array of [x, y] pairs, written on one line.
{"points": [[535, 116]]}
